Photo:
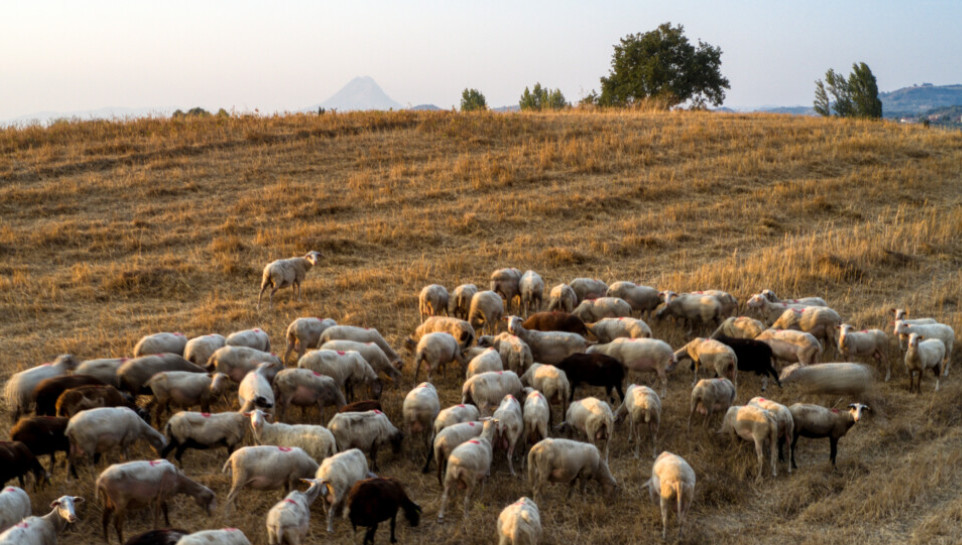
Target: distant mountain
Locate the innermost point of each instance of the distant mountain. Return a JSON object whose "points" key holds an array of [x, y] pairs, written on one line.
{"points": [[793, 110], [919, 99], [361, 93], [507, 109], [425, 108], [109, 112]]}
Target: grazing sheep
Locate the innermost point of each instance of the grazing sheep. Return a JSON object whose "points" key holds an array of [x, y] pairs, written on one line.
{"points": [[79, 399], [486, 312], [821, 322], [18, 391], [692, 309], [792, 346], [202, 431], [362, 335], [455, 414], [729, 304], [593, 418], [770, 311], [742, 327], [104, 369], [672, 480], [920, 356], [256, 390], [592, 310], [467, 465], [43, 530], [486, 390], [289, 521], [420, 409], [42, 435], [712, 354], [641, 355], [48, 390], [94, 431], [786, 425], [338, 474], [507, 284], [432, 301], [159, 343], [14, 506], [567, 461], [550, 381], [562, 298], [375, 500], [642, 299], [266, 468], [306, 388], [460, 301], [367, 431], [930, 331], [150, 484], [852, 379], [16, 460], [316, 441], [255, 338], [711, 395], [185, 390], [609, 329], [555, 320], [348, 369], [225, 536], [458, 328], [520, 523], [446, 440], [537, 418], [515, 354], [435, 350], [488, 360], [166, 536], [872, 342], [286, 272], [548, 347], [199, 349], [305, 333], [510, 428], [642, 406], [372, 354], [815, 421], [811, 301], [135, 373], [532, 292], [754, 423], [588, 288], [754, 356], [594, 369], [237, 361]]}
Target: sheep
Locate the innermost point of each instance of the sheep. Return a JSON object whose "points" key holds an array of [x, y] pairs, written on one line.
{"points": [[146, 484], [710, 353], [815, 421], [18, 391], [901, 315], [42, 435], [166, 536], [754, 356], [786, 425], [555, 320], [930, 331], [337, 475], [255, 338], [435, 350], [317, 441], [548, 347], [588, 288], [742, 327], [920, 356], [468, 464], [531, 287], [373, 354], [567, 461], [642, 299], [419, 410], [852, 379], [455, 414], [16, 460], [460, 301], [288, 522], [446, 440], [306, 388], [486, 390], [770, 311], [202, 431], [348, 369], [672, 479], [754, 423], [94, 431], [432, 301], [520, 523], [104, 369], [185, 390], [45, 394], [562, 298], [135, 373], [159, 343], [43, 530], [266, 467], [375, 500], [641, 355], [866, 342], [592, 310], [225, 536], [811, 301], [237, 361], [792, 346], [462, 330], [594, 369], [305, 333], [255, 390], [199, 349], [515, 354], [510, 427], [361, 335], [367, 431], [711, 395], [550, 381], [361, 406], [609, 329], [593, 418], [488, 360], [486, 311], [507, 284], [286, 272], [692, 309], [14, 506], [821, 322], [641, 406], [79, 399], [536, 415]]}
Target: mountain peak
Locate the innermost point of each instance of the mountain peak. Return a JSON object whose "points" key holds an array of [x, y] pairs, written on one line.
{"points": [[361, 93]]}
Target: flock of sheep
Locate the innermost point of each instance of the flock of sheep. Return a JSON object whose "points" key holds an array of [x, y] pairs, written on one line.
{"points": [[515, 370]]}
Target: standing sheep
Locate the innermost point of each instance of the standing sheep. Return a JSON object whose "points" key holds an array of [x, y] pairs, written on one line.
{"points": [[486, 312], [266, 468], [19, 389], [447, 440], [548, 347], [692, 309], [467, 465], [224, 536], [237, 361], [815, 421], [348, 369], [255, 338], [921, 356], [305, 333], [641, 406], [742, 327], [592, 310], [375, 500], [289, 521], [717, 356], [588, 288], [536, 414], [199, 349], [510, 427], [432, 301], [43, 530], [256, 390], [94, 431], [672, 480], [158, 343], [931, 331], [820, 322], [567, 461], [306, 388], [754, 423], [792, 346], [14, 506], [135, 373], [641, 355], [507, 284], [462, 330], [642, 299], [786, 425], [362, 335], [367, 431], [202, 431], [609, 329], [532, 292], [811, 301], [520, 523], [711, 395], [315, 440], [435, 350], [562, 298], [486, 390], [592, 418], [185, 389], [284, 273], [871, 342], [460, 301], [420, 408], [550, 381], [337, 475], [372, 353]]}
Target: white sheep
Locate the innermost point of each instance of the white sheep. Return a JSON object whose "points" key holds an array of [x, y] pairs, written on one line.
{"points": [[901, 315], [754, 423], [642, 407], [348, 369], [711, 395], [255, 389], [770, 311], [455, 414], [362, 335], [289, 521], [594, 419], [921, 356], [255, 338], [460, 301], [419, 411], [786, 425], [487, 360], [458, 328], [337, 475], [563, 298], [714, 355], [305, 333], [306, 388], [43, 530], [368, 431], [815, 421], [870, 342], [266, 467], [158, 343], [486, 390], [373, 354], [672, 481], [507, 284], [102, 429], [510, 427], [692, 309], [520, 523], [588, 288], [853, 379], [134, 373], [741, 327], [729, 304], [225, 536], [467, 465], [565, 461], [821, 322], [237, 361], [609, 329], [18, 392], [185, 389], [202, 431], [446, 440], [641, 355], [515, 354], [486, 311], [792, 346], [930, 331], [536, 414], [199, 349], [642, 299], [550, 381], [811, 301], [548, 346], [433, 301], [531, 286], [14, 506], [283, 273], [592, 310], [435, 350], [103, 369], [317, 441]]}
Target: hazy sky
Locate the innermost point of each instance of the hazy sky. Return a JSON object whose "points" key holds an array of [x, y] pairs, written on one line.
{"points": [[287, 55]]}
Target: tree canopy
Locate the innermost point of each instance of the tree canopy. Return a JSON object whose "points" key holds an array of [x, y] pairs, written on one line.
{"points": [[852, 96], [542, 98], [471, 100]]}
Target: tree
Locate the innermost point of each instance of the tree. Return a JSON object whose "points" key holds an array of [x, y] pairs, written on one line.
{"points": [[864, 91], [471, 100], [854, 96], [542, 98], [662, 64]]}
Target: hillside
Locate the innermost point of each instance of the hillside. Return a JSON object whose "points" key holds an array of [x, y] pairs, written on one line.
{"points": [[918, 99], [112, 230]]}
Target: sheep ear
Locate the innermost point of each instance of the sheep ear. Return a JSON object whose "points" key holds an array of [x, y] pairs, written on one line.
{"points": [[54, 503], [77, 499]]}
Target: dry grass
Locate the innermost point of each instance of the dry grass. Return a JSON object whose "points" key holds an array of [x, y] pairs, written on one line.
{"points": [[111, 230]]}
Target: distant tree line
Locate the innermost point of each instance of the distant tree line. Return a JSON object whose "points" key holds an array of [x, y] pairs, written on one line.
{"points": [[197, 112]]}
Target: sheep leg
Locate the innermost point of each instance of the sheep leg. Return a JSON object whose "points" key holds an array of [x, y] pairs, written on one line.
{"points": [[393, 523], [664, 518], [760, 454], [108, 512], [833, 442], [330, 518], [369, 535], [444, 500], [791, 450]]}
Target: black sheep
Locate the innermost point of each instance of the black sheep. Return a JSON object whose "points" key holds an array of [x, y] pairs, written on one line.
{"points": [[16, 460], [373, 501], [754, 356], [594, 370]]}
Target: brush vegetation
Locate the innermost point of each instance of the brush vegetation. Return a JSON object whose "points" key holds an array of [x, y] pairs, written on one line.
{"points": [[112, 230]]}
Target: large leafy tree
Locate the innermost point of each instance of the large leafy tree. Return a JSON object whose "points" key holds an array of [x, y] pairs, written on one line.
{"points": [[852, 96], [662, 64], [471, 100], [542, 98]]}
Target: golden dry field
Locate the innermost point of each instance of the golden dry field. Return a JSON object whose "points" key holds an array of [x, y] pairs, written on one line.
{"points": [[112, 230]]}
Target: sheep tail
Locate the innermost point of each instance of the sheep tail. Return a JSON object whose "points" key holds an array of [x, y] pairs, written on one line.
{"points": [[226, 468]]}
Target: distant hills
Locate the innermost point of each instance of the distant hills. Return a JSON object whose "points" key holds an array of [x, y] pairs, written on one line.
{"points": [[920, 99], [361, 93]]}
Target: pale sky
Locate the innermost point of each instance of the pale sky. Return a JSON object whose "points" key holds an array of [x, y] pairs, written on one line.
{"points": [[287, 55]]}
